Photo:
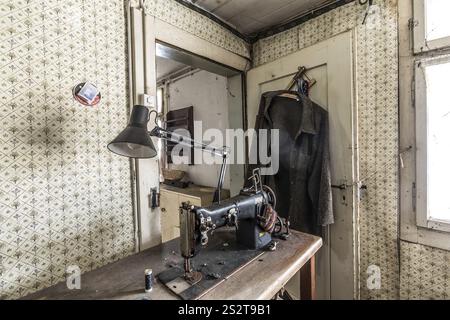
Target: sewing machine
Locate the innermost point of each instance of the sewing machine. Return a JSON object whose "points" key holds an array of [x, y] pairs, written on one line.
{"points": [[251, 214]]}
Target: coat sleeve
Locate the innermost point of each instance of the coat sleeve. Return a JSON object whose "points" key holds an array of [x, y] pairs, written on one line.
{"points": [[319, 182]]}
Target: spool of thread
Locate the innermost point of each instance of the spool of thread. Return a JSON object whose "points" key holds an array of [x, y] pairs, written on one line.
{"points": [[148, 280]]}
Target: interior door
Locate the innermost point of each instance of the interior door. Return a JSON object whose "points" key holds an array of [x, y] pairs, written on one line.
{"points": [[330, 64]]}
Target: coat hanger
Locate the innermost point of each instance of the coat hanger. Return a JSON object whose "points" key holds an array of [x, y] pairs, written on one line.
{"points": [[289, 95], [299, 74], [300, 79]]}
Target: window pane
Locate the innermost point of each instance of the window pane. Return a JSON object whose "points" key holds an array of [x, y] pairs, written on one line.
{"points": [[437, 17], [438, 109]]}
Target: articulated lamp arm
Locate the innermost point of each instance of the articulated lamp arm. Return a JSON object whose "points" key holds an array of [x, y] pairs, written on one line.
{"points": [[223, 152], [135, 142]]}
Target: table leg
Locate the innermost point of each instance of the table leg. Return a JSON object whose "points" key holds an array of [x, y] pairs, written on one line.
{"points": [[308, 280]]}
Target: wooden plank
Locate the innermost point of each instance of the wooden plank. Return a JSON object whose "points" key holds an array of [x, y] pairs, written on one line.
{"points": [[124, 279]]}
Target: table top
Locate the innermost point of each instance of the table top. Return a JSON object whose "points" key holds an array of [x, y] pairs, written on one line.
{"points": [[124, 279]]}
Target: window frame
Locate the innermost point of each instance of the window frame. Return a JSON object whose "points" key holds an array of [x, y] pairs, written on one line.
{"points": [[409, 228], [423, 217], [421, 44]]}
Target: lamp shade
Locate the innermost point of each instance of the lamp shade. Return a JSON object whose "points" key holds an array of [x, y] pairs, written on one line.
{"points": [[134, 141]]}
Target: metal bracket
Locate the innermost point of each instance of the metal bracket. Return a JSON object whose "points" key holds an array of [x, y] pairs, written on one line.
{"points": [[343, 185], [412, 23], [205, 226], [362, 191], [154, 198], [340, 187], [414, 196]]}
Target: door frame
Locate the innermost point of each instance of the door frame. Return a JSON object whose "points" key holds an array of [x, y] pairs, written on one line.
{"points": [[144, 33], [325, 52]]}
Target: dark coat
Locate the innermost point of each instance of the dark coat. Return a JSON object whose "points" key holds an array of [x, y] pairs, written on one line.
{"points": [[303, 182]]}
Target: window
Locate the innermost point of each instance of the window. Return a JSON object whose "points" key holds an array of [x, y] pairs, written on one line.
{"points": [[431, 25], [425, 122], [437, 22], [432, 77], [433, 143]]}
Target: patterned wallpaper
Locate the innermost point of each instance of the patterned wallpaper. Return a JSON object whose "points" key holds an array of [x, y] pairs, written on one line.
{"points": [[193, 22], [424, 271], [64, 199]]}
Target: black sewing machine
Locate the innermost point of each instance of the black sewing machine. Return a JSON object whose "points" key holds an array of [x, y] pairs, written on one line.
{"points": [[252, 216]]}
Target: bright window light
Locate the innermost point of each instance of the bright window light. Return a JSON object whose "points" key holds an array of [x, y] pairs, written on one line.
{"points": [[438, 140], [437, 19]]}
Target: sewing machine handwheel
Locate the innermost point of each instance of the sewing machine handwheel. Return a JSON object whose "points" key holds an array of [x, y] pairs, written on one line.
{"points": [[272, 197]]}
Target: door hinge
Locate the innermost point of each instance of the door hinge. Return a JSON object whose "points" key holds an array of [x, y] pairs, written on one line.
{"points": [[414, 196], [412, 23], [133, 175]]}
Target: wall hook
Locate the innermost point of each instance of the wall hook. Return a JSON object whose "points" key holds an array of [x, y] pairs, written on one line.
{"points": [[370, 4]]}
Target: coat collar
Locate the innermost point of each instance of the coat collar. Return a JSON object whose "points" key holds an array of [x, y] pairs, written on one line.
{"points": [[308, 122]]}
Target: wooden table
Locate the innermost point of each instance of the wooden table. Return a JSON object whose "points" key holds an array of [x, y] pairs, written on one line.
{"points": [[263, 277]]}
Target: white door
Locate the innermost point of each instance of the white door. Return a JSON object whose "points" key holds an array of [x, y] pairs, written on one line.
{"points": [[330, 64]]}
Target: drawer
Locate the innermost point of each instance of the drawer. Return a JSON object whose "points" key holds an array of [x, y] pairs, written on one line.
{"points": [[170, 216], [170, 233]]}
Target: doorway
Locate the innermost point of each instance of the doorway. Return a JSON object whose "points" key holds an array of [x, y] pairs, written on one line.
{"points": [[203, 100], [215, 92], [330, 63], [149, 38]]}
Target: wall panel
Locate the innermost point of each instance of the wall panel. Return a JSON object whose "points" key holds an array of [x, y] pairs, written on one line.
{"points": [[64, 198]]}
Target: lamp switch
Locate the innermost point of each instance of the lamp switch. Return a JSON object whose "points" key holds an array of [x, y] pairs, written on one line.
{"points": [[149, 101], [154, 198]]}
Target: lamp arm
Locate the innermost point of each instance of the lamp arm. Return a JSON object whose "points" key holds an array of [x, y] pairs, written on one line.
{"points": [[217, 197], [188, 142], [164, 134]]}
